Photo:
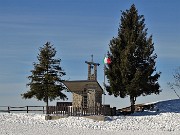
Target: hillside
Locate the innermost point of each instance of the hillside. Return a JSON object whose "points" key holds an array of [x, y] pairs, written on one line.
{"points": [[169, 106]]}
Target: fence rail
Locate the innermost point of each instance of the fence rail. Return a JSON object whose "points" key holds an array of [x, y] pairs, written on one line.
{"points": [[26, 109]]}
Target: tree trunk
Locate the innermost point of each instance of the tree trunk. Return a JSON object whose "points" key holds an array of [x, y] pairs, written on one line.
{"points": [[47, 105], [132, 100], [47, 92]]}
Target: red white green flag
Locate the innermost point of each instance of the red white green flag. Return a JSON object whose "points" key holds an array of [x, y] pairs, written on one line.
{"points": [[107, 60]]}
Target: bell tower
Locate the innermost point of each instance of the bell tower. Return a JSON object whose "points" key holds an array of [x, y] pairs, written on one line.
{"points": [[92, 75]]}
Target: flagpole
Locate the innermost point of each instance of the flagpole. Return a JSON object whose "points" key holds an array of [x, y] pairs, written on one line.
{"points": [[106, 61], [104, 89]]}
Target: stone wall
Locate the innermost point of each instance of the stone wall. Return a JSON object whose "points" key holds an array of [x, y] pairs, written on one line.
{"points": [[77, 99], [89, 98]]}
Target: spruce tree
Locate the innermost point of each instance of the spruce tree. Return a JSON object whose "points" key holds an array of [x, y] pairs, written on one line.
{"points": [[132, 67], [45, 82]]}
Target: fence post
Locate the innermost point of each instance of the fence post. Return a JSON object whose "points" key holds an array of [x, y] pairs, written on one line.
{"points": [[27, 109], [43, 109], [8, 109], [81, 110]]}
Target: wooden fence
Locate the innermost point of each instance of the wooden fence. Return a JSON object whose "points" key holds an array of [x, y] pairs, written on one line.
{"points": [[75, 111], [25, 109], [61, 110]]}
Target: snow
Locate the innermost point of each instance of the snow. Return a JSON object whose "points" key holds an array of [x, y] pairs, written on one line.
{"points": [[164, 122]]}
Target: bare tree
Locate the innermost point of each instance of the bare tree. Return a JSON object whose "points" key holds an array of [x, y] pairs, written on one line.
{"points": [[176, 84]]}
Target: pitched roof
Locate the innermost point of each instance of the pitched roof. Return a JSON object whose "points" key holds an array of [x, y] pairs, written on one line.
{"points": [[79, 85]]}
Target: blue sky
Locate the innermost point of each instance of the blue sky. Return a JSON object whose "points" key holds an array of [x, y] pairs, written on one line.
{"points": [[79, 28]]}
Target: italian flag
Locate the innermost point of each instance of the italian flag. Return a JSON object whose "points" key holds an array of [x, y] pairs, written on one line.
{"points": [[107, 60]]}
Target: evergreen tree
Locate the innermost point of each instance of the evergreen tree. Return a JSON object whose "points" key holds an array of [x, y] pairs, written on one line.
{"points": [[131, 71], [45, 82]]}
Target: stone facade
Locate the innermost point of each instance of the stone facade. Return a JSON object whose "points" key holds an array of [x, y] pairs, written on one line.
{"points": [[89, 97], [86, 93]]}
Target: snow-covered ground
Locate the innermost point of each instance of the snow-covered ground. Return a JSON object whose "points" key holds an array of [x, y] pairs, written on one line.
{"points": [[164, 122]]}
